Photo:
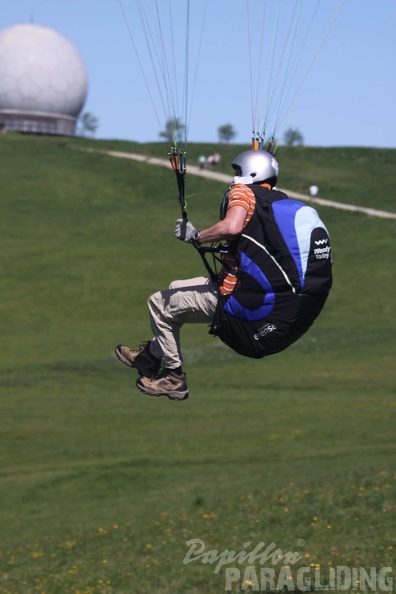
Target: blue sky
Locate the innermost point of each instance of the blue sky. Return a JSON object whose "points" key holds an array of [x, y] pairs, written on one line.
{"points": [[347, 100]]}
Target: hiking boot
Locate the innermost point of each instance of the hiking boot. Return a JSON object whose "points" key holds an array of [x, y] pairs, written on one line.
{"points": [[140, 358], [168, 383]]}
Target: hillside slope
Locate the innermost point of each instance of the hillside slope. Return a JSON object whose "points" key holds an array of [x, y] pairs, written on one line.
{"points": [[102, 486]]}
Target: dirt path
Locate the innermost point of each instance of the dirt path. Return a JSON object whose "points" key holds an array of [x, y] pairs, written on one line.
{"points": [[193, 170]]}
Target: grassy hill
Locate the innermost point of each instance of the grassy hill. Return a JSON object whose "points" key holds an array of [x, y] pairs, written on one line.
{"points": [[102, 486], [361, 176]]}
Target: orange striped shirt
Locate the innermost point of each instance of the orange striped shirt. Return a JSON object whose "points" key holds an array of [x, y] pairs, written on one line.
{"points": [[239, 195]]}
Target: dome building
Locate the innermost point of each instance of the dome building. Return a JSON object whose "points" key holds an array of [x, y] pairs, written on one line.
{"points": [[43, 81]]}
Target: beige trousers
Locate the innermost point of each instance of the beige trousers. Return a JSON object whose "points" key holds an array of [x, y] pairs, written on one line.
{"points": [[191, 301]]}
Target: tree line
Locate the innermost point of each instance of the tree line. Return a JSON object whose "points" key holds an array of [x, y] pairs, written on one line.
{"points": [[174, 128]]}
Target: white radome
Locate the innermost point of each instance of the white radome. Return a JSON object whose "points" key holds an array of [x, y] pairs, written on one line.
{"points": [[40, 72]]}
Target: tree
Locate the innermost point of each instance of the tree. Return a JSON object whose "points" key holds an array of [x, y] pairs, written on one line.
{"points": [[88, 124], [293, 137], [172, 131], [226, 133]]}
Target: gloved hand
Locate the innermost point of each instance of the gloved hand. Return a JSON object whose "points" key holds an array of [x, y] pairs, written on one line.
{"points": [[190, 232]]}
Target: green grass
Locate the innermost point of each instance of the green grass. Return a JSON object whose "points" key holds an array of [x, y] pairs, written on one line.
{"points": [[102, 486]]}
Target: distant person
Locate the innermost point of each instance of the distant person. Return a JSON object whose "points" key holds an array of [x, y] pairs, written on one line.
{"points": [[202, 161], [313, 190], [213, 160], [273, 283]]}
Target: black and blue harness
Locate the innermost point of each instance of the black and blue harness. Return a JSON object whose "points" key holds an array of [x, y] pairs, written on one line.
{"points": [[285, 275]]}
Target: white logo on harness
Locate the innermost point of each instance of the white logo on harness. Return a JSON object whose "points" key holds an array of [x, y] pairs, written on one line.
{"points": [[261, 332], [322, 253], [320, 241]]}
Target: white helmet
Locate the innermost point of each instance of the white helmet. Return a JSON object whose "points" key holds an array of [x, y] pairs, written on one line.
{"points": [[253, 167]]}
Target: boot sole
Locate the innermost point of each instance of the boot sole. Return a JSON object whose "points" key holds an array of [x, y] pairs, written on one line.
{"points": [[171, 396]]}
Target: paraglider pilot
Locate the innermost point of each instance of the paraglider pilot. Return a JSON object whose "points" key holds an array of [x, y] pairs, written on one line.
{"points": [[274, 280]]}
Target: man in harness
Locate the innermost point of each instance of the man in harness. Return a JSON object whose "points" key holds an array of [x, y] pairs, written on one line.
{"points": [[274, 280]]}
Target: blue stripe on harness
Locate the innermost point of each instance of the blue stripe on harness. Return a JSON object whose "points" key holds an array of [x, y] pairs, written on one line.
{"points": [[235, 308], [285, 213]]}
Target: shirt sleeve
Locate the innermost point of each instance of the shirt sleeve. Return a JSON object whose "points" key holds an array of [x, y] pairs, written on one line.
{"points": [[238, 196]]}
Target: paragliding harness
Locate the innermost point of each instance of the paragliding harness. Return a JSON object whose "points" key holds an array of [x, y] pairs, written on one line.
{"points": [[284, 277]]}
